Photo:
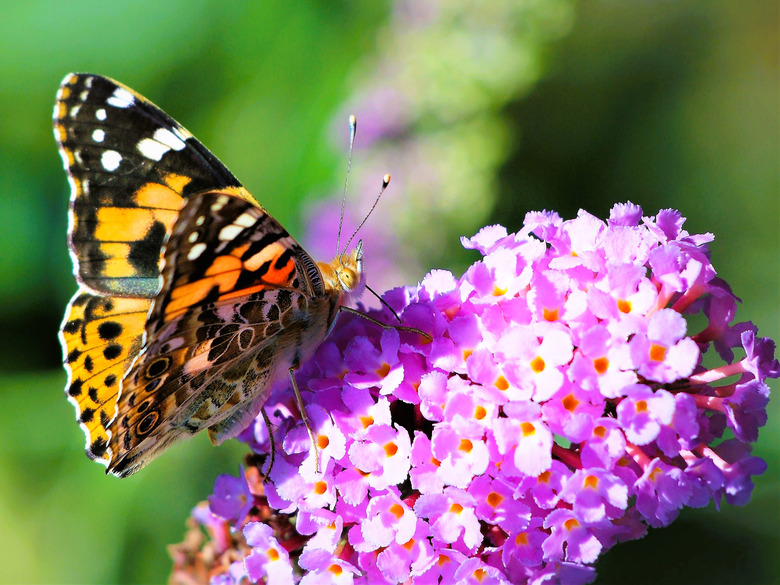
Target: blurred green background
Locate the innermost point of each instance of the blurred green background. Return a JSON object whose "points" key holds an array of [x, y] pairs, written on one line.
{"points": [[542, 104]]}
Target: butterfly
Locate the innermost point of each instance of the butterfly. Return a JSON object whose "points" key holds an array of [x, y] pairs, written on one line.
{"points": [[193, 300]]}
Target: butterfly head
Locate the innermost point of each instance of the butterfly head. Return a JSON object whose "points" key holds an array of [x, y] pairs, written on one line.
{"points": [[345, 273]]}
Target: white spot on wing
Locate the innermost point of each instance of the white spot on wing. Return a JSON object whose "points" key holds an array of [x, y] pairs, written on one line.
{"points": [[230, 232], [200, 220], [98, 135], [193, 238], [152, 149], [74, 111], [121, 98], [196, 251], [245, 220], [110, 160], [219, 203], [168, 138], [100, 114]]}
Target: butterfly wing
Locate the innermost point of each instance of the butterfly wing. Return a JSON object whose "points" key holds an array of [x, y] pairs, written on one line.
{"points": [[240, 303], [131, 167], [100, 337]]}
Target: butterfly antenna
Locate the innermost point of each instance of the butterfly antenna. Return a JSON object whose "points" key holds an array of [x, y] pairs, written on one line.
{"points": [[352, 132], [385, 183], [384, 303]]}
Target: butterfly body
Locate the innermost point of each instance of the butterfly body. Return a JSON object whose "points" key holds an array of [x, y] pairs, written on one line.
{"points": [[193, 300]]}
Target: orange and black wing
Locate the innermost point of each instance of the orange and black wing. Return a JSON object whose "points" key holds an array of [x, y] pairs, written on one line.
{"points": [[239, 299], [131, 167]]}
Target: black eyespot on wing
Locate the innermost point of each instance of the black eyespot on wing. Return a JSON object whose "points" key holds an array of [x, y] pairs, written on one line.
{"points": [[86, 415], [148, 423], [158, 367]]}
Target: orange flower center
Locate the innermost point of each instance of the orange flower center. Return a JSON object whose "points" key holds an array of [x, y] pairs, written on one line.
{"points": [[494, 499], [657, 352], [537, 364], [601, 364], [570, 403], [397, 510]]}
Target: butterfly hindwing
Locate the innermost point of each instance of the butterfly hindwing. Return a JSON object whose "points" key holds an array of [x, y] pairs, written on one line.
{"points": [[240, 302], [101, 336], [130, 166]]}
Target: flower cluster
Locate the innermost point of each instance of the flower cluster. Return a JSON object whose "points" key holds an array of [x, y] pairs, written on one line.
{"points": [[561, 406]]}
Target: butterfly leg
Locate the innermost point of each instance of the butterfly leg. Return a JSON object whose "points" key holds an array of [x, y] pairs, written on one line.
{"points": [[272, 455], [305, 419], [385, 325]]}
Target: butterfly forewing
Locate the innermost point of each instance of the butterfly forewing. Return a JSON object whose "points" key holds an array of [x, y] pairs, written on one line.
{"points": [[130, 167]]}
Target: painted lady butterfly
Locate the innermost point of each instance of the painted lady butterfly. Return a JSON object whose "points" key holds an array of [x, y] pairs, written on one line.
{"points": [[192, 299]]}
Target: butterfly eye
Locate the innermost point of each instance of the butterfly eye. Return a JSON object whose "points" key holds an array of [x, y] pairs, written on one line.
{"points": [[348, 278]]}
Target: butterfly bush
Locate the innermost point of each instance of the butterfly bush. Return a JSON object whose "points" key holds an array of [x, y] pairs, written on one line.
{"points": [[561, 406]]}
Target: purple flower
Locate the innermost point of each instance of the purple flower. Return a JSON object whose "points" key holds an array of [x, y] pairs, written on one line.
{"points": [[232, 499], [595, 494], [323, 569], [560, 406], [642, 413], [661, 492], [401, 560], [452, 517], [570, 539], [388, 519], [268, 560]]}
